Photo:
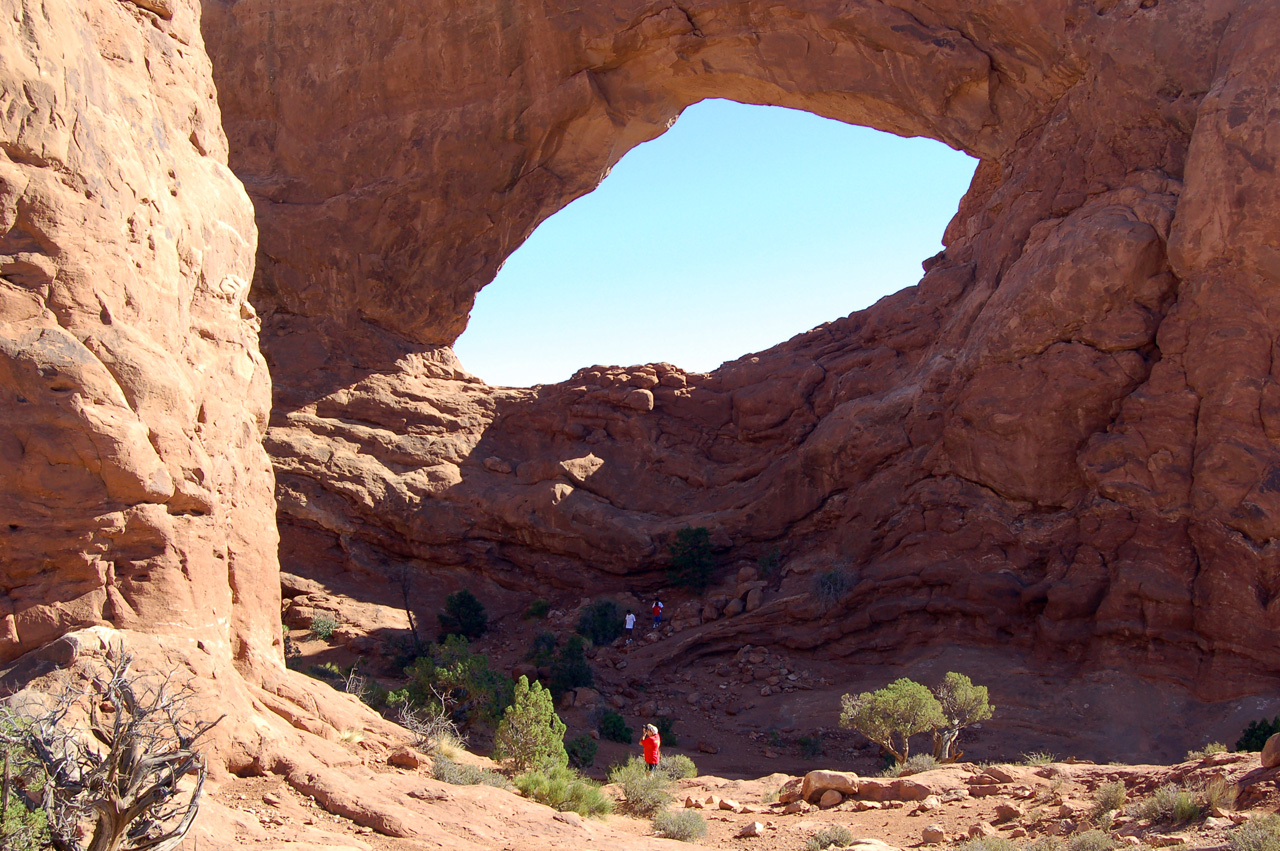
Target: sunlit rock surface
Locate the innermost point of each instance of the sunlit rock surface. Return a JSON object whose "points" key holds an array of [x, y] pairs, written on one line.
{"points": [[1064, 437]]}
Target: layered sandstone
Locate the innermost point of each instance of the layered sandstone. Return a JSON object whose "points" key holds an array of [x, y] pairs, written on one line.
{"points": [[133, 486], [1064, 436]]}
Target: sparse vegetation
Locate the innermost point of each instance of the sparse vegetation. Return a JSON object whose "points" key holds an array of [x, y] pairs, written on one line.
{"points": [[323, 626], [114, 785], [770, 563], [989, 843], [23, 825], [463, 615], [1257, 834], [810, 746], [432, 729], [1218, 793], [831, 836], [1091, 840], [644, 791], [666, 730], [562, 788], [460, 681], [614, 728], [543, 650], [678, 767], [691, 560], [1038, 758], [830, 586], [537, 610], [570, 669], [1169, 804], [684, 825], [1208, 750], [447, 770], [1107, 798], [914, 765], [531, 735], [601, 622], [582, 751]]}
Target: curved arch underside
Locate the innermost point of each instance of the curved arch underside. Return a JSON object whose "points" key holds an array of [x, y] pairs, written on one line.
{"points": [[1064, 437]]}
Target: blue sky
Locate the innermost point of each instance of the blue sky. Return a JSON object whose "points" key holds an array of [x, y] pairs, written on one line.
{"points": [[738, 228]]}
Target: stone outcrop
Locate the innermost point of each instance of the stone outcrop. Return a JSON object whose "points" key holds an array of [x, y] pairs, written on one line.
{"points": [[1064, 436], [134, 490]]}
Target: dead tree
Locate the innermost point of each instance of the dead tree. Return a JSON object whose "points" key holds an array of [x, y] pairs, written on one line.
{"points": [[117, 783]]}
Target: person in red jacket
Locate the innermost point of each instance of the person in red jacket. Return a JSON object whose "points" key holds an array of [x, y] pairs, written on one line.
{"points": [[652, 743]]}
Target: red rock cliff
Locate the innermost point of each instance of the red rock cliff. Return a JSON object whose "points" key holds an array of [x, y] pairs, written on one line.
{"points": [[1063, 437]]}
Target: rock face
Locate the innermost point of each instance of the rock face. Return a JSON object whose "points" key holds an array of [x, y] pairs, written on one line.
{"points": [[134, 489], [1064, 437]]}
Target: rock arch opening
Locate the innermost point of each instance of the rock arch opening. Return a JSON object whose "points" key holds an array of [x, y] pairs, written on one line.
{"points": [[737, 229]]}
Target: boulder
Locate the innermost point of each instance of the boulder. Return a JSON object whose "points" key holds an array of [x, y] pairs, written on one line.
{"points": [[1271, 752], [816, 783], [830, 798]]}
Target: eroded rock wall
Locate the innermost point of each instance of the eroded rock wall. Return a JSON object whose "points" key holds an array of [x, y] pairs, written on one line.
{"points": [[134, 490], [1063, 437]]}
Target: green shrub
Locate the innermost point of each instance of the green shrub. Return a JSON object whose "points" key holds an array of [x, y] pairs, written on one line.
{"points": [[582, 751], [1107, 798], [329, 672], [833, 835], [463, 615], [891, 716], [543, 649], [914, 765], [570, 669], [677, 766], [644, 791], [691, 560], [1257, 834], [830, 586], [601, 622], [1038, 758], [24, 826], [471, 691], [562, 788], [1091, 840], [323, 625], [530, 735], [537, 610], [989, 843], [769, 563], [1169, 804], [615, 729], [684, 825], [666, 731], [1207, 750], [810, 746], [460, 774], [1256, 734]]}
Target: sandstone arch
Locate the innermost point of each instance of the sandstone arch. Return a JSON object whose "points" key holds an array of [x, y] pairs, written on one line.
{"points": [[1061, 437]]}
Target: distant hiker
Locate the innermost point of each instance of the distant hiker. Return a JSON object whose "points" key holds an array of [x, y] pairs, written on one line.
{"points": [[652, 743], [630, 621], [657, 613]]}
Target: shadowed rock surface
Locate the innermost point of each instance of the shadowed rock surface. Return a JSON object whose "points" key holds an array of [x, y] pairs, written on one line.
{"points": [[1063, 438]]}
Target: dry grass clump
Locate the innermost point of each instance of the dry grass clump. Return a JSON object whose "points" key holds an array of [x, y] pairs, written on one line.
{"points": [[833, 835], [1258, 834], [684, 825], [1108, 797]]}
